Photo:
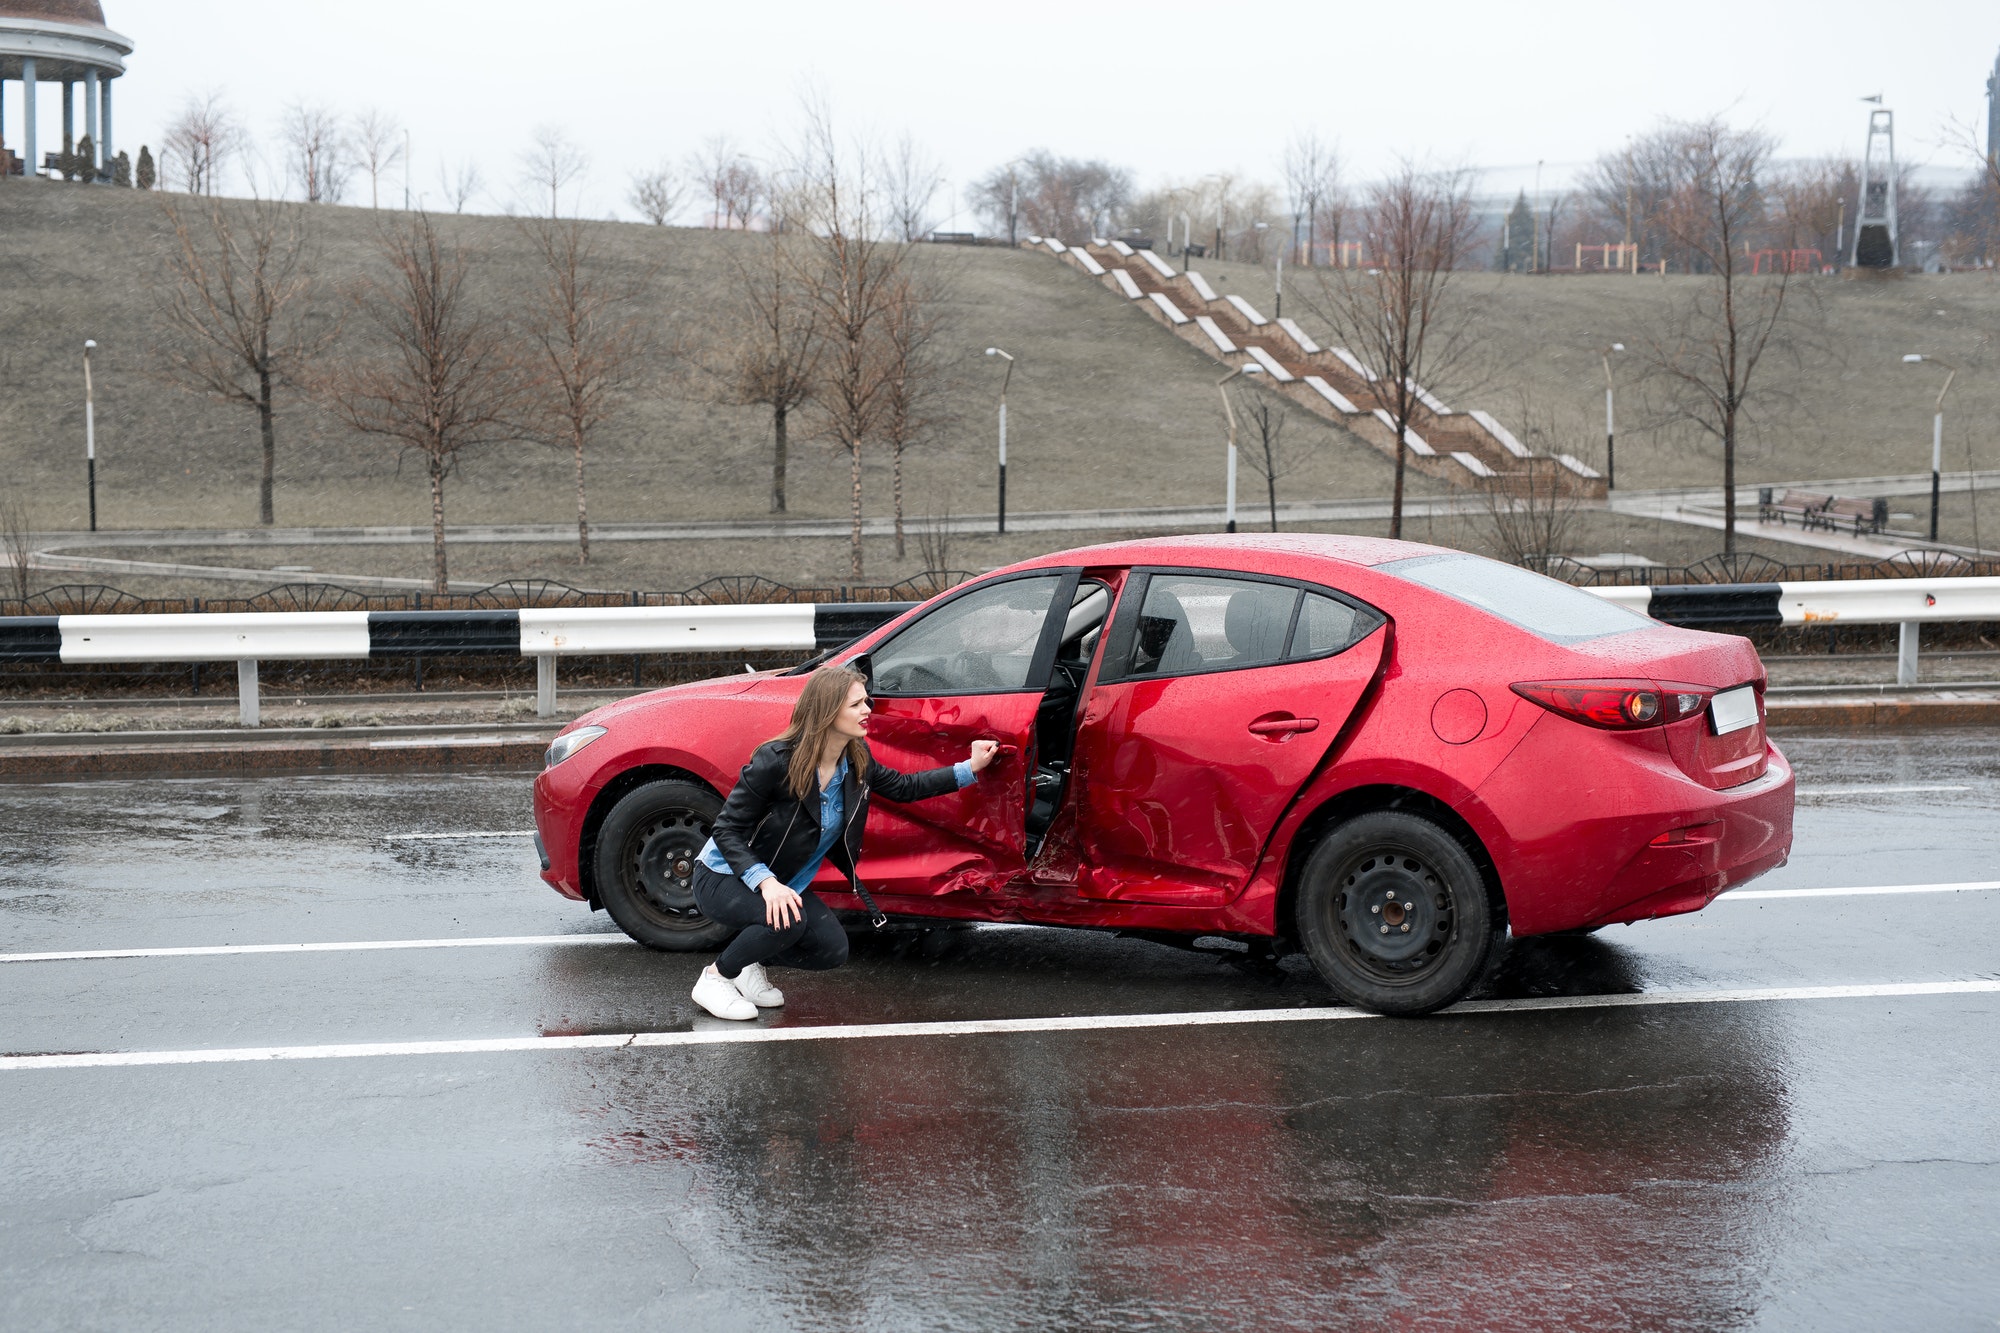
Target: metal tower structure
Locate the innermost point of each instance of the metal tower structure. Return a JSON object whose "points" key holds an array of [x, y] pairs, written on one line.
{"points": [[1875, 230]]}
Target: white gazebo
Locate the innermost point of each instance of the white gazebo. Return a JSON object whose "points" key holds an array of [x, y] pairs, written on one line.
{"points": [[66, 42]]}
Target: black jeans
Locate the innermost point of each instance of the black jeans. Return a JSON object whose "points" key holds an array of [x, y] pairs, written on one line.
{"points": [[816, 941]]}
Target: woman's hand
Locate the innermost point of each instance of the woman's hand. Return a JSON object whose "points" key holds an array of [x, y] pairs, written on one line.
{"points": [[982, 754], [781, 904]]}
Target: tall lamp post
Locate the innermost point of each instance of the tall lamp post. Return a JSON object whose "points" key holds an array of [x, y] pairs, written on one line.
{"points": [[1278, 285], [90, 430], [1229, 411], [1004, 381], [1610, 421], [1937, 432]]}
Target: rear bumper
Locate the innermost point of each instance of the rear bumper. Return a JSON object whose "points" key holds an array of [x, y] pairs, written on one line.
{"points": [[1583, 815]]}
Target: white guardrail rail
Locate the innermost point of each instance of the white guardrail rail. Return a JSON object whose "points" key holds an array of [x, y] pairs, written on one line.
{"points": [[548, 634]]}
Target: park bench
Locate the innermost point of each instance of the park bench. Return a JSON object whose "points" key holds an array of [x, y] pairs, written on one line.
{"points": [[954, 238], [1816, 510]]}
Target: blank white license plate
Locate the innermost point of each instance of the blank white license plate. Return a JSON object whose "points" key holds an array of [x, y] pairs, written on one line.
{"points": [[1733, 710]]}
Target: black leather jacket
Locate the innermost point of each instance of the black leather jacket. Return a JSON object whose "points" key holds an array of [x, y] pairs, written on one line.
{"points": [[763, 821]]}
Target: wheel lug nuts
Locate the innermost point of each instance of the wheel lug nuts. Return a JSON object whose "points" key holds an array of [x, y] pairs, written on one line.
{"points": [[1385, 930], [1406, 930], [1377, 909]]}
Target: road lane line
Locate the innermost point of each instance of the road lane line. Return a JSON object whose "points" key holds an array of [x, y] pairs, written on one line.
{"points": [[1969, 886], [618, 937], [737, 1036], [337, 946], [1878, 791], [446, 837]]}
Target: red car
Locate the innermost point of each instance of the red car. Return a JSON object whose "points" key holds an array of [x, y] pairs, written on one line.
{"points": [[1386, 754]]}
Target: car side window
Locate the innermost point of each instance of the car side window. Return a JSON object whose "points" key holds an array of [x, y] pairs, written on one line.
{"points": [[981, 643], [1189, 623], [1327, 625]]}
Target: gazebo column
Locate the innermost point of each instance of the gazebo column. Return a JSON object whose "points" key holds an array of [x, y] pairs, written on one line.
{"points": [[90, 117], [104, 145], [30, 154]]}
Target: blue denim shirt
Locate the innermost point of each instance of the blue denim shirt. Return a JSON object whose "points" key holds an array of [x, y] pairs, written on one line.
{"points": [[832, 807]]}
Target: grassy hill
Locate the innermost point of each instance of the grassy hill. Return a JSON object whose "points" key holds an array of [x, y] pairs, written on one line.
{"points": [[1106, 408]]}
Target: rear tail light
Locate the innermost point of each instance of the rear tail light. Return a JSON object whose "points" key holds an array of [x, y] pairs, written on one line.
{"points": [[1616, 705]]}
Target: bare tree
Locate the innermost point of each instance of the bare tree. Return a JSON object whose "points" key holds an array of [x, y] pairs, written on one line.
{"points": [[1401, 316], [460, 183], [732, 181], [658, 194], [766, 352], [238, 280], [934, 537], [1067, 198], [1705, 358], [913, 178], [851, 276], [1312, 181], [378, 143], [17, 529], [199, 143], [1530, 511], [551, 164], [584, 341], [1269, 455], [913, 394], [316, 152], [443, 379]]}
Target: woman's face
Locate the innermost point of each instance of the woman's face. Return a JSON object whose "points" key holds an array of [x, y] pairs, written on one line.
{"points": [[851, 721]]}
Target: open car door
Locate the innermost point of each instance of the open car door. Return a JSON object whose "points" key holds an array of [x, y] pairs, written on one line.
{"points": [[975, 667], [1218, 696]]}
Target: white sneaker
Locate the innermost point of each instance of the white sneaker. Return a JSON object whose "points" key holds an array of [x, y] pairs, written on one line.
{"points": [[717, 994], [757, 988]]}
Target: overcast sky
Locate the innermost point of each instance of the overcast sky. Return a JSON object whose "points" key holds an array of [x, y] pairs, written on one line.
{"points": [[1170, 90]]}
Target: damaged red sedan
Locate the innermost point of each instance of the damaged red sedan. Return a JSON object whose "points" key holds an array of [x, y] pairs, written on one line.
{"points": [[1385, 754]]}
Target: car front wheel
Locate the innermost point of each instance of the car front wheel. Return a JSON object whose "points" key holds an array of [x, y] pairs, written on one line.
{"points": [[1395, 915], [646, 852]]}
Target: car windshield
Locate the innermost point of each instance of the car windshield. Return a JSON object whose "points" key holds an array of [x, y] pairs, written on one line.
{"points": [[1542, 606]]}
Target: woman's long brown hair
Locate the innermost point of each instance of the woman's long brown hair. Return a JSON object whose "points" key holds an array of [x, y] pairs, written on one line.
{"points": [[813, 716]]}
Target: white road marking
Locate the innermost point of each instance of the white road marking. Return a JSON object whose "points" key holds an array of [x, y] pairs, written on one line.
{"points": [[977, 1027], [445, 837], [611, 937], [1739, 895], [337, 946], [1864, 790]]}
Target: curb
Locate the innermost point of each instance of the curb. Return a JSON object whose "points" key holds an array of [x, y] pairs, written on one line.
{"points": [[1912, 713]]}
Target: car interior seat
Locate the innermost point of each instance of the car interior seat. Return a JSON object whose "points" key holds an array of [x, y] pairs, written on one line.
{"points": [[1255, 622]]}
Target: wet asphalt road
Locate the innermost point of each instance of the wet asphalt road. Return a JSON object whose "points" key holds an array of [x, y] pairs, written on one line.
{"points": [[1803, 1163]]}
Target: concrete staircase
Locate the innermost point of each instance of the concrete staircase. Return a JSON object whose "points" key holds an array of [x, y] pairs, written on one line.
{"points": [[1465, 448]]}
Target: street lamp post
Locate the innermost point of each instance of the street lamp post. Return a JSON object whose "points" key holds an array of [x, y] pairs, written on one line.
{"points": [[1610, 421], [1937, 433], [90, 430], [1229, 411], [1004, 381]]}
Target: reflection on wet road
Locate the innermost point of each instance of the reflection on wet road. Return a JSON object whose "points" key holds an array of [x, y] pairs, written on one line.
{"points": [[1823, 1162]]}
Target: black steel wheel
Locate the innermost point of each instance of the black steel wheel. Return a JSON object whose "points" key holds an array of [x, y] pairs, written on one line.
{"points": [[646, 852], [1395, 914]]}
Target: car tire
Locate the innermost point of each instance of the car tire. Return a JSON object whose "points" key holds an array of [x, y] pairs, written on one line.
{"points": [[645, 858], [1395, 915]]}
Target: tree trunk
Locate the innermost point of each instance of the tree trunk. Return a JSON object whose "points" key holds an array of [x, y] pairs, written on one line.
{"points": [[1728, 483], [896, 476], [1271, 487], [439, 584], [582, 519], [1396, 504], [266, 513], [777, 460], [854, 509]]}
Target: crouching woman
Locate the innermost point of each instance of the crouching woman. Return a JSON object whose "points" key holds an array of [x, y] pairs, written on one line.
{"points": [[802, 798]]}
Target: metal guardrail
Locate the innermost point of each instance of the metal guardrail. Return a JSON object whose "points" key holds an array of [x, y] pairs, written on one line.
{"points": [[1907, 603], [545, 634]]}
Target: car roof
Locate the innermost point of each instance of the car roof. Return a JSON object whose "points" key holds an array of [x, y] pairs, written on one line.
{"points": [[1221, 550]]}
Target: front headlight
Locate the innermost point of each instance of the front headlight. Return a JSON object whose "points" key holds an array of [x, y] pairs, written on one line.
{"points": [[569, 743]]}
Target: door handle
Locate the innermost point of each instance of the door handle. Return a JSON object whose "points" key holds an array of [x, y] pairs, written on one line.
{"points": [[1283, 726]]}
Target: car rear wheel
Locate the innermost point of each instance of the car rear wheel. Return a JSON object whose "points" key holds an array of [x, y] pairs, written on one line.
{"points": [[1395, 915], [646, 852]]}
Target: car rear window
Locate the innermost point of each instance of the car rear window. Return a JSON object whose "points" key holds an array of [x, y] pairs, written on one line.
{"points": [[1542, 606]]}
